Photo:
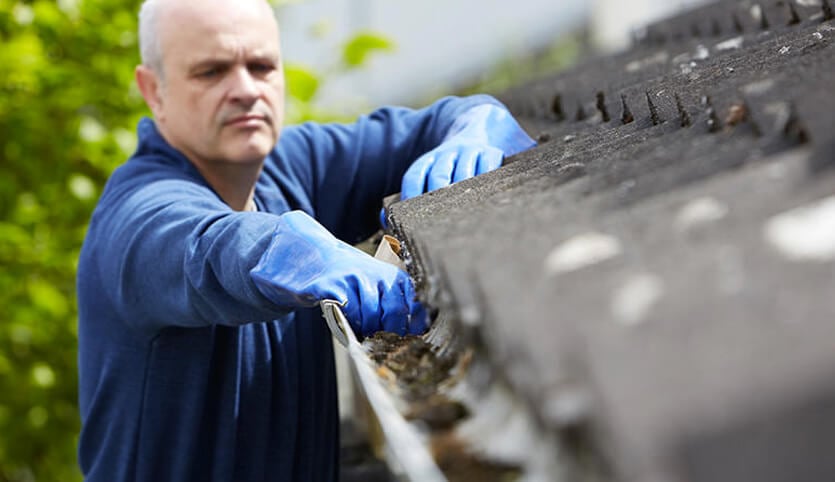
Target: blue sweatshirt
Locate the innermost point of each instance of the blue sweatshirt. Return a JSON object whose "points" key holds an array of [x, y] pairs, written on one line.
{"points": [[188, 373]]}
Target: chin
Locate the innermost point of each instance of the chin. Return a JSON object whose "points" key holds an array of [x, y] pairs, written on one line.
{"points": [[249, 156], [254, 150]]}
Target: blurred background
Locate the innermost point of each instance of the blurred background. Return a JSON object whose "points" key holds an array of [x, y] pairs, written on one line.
{"points": [[439, 46], [68, 109]]}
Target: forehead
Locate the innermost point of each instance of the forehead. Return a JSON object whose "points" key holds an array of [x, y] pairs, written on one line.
{"points": [[194, 31]]}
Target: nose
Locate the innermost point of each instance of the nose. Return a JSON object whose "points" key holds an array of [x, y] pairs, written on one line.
{"points": [[244, 87]]}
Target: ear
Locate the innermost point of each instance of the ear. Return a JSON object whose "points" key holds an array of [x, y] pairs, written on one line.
{"points": [[150, 86]]}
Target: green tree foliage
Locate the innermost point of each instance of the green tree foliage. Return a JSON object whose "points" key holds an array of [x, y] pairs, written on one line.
{"points": [[66, 120], [68, 109]]}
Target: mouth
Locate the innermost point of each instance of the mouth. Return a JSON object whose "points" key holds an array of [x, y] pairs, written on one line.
{"points": [[248, 121]]}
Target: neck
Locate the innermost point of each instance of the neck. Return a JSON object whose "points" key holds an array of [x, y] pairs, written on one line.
{"points": [[235, 184]]}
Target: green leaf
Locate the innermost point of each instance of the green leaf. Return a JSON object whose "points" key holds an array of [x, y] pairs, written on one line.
{"points": [[357, 49], [13, 235], [302, 82], [82, 187], [5, 365], [22, 57], [48, 298], [29, 209], [43, 375], [38, 416], [90, 130], [23, 14]]}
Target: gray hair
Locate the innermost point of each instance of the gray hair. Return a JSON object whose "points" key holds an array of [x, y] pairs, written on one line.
{"points": [[150, 48], [149, 44]]}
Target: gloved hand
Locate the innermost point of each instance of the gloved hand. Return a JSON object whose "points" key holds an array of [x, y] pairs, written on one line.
{"points": [[305, 264], [477, 142]]}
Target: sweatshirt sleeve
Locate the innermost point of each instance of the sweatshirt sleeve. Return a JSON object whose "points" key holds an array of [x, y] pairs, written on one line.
{"points": [[347, 169], [168, 251]]}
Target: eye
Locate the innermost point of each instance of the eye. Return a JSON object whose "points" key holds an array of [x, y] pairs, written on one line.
{"points": [[209, 73], [261, 68]]}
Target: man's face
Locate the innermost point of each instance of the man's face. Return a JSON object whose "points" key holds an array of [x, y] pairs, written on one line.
{"points": [[221, 93]]}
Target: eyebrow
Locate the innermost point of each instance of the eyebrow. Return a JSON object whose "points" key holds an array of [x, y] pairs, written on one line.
{"points": [[225, 61], [230, 59]]}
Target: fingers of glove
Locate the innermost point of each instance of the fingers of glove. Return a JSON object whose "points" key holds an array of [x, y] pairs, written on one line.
{"points": [[414, 181], [379, 288], [418, 320], [371, 307], [353, 313], [353, 280], [401, 309], [489, 160], [395, 310], [440, 175], [466, 164]]}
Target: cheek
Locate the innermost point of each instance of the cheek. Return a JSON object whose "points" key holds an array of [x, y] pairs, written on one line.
{"points": [[275, 89], [201, 104], [278, 101], [180, 111]]}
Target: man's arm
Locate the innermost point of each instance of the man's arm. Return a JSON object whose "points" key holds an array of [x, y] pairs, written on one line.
{"points": [[169, 252], [350, 168]]}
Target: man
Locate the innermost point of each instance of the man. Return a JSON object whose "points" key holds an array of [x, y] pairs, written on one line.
{"points": [[202, 352]]}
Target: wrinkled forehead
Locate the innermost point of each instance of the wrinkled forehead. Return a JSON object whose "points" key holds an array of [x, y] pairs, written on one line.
{"points": [[196, 28]]}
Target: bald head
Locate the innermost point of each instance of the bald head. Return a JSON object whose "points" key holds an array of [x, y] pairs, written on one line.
{"points": [[157, 17], [212, 75]]}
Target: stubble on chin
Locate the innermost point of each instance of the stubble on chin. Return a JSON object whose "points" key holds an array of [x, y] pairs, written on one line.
{"points": [[249, 147]]}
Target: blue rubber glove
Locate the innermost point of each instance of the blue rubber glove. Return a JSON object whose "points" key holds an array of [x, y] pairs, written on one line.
{"points": [[305, 264], [477, 142]]}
